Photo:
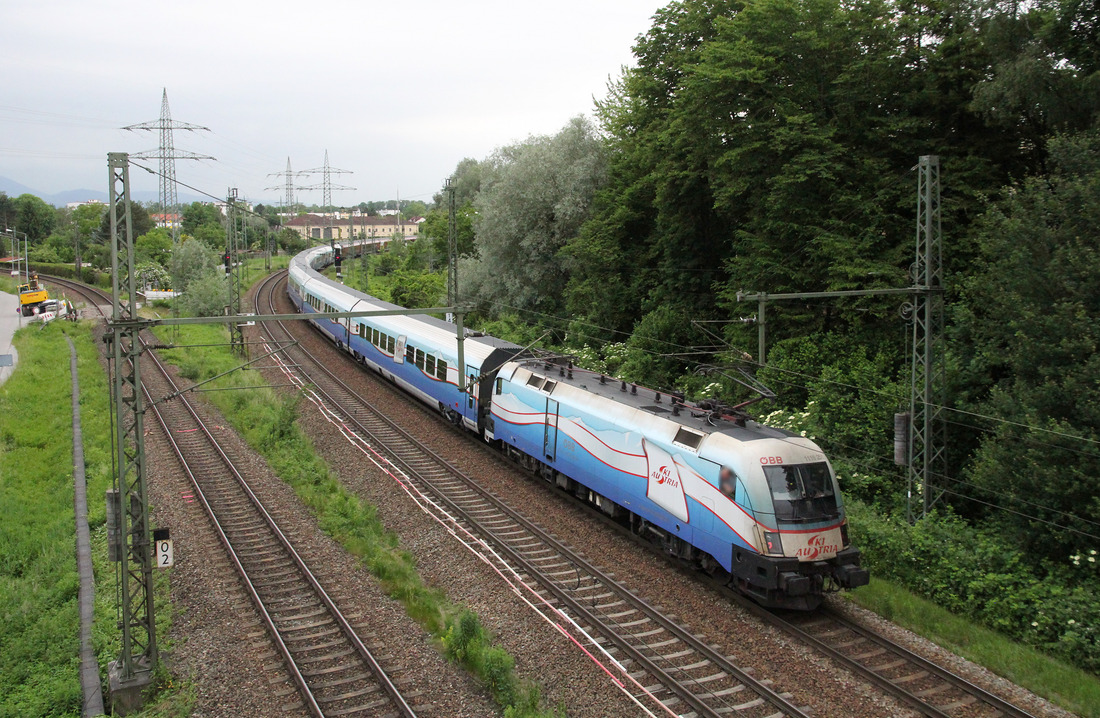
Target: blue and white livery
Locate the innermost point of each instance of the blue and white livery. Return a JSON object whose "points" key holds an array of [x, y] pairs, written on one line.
{"points": [[721, 491]]}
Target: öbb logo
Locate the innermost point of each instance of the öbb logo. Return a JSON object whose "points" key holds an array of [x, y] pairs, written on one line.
{"points": [[817, 547], [664, 476]]}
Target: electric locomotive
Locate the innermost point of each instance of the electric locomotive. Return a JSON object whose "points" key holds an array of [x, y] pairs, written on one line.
{"points": [[711, 487]]}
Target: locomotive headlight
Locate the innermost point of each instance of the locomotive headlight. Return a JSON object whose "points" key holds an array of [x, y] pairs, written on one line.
{"points": [[773, 543]]}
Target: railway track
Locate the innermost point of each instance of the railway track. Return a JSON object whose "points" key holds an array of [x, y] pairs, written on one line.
{"points": [[336, 674], [682, 672], [918, 683], [922, 685]]}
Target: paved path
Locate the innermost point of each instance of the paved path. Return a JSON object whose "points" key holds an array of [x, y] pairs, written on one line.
{"points": [[89, 667], [10, 320]]}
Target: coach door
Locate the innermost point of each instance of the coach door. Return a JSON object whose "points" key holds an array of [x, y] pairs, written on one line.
{"points": [[550, 435]]}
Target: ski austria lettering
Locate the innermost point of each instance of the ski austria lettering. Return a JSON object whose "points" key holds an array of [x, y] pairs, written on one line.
{"points": [[723, 492]]}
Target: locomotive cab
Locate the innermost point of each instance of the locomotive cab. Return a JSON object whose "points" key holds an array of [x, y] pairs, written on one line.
{"points": [[801, 528]]}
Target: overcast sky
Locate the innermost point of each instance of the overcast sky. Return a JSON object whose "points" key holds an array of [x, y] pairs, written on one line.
{"points": [[398, 92]]}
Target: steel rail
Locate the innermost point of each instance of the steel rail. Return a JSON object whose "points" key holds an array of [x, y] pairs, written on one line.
{"points": [[675, 686], [867, 672], [334, 612]]}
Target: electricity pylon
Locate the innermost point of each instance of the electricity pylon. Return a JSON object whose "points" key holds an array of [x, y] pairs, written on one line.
{"points": [[326, 188], [168, 154], [288, 187]]}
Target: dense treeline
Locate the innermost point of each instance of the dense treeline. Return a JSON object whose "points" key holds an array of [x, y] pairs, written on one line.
{"points": [[769, 146]]}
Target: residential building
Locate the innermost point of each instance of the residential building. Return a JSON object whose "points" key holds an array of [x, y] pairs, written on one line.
{"points": [[315, 226], [168, 219]]}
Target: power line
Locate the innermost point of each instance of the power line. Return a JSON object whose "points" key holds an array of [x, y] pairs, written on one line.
{"points": [[21, 152], [1021, 514], [204, 193], [326, 171], [1031, 442], [1017, 499], [167, 154], [792, 372], [43, 117], [288, 187], [1062, 434]]}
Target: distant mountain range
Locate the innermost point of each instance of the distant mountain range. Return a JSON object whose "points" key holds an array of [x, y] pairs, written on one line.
{"points": [[60, 199]]}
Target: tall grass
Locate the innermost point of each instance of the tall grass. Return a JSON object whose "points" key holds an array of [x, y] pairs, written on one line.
{"points": [[39, 643], [268, 422], [1068, 686]]}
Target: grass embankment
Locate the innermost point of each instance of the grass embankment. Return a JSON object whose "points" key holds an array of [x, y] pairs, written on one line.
{"points": [[1069, 687], [267, 420], [39, 615]]}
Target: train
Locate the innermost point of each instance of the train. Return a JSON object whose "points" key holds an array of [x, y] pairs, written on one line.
{"points": [[757, 505]]}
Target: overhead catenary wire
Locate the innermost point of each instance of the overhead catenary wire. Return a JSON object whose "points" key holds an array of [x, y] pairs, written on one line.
{"points": [[152, 171], [771, 367], [1030, 427], [880, 470], [1027, 440], [695, 350], [1021, 514]]}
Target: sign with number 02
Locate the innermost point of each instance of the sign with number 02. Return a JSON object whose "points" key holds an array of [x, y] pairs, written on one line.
{"points": [[164, 553]]}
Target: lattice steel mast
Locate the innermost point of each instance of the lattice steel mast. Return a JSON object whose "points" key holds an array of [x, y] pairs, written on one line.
{"points": [[233, 268], [927, 429], [288, 187], [138, 656], [924, 427], [326, 188], [452, 243], [168, 154]]}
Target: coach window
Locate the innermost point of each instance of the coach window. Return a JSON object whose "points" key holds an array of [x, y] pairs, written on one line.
{"points": [[410, 354], [428, 364], [500, 385], [441, 370]]}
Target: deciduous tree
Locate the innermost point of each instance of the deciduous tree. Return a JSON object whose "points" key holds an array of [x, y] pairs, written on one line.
{"points": [[534, 197]]}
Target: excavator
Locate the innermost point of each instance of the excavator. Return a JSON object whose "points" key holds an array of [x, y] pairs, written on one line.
{"points": [[31, 296]]}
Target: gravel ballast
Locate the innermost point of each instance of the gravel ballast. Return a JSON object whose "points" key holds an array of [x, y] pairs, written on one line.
{"points": [[218, 639], [814, 680]]}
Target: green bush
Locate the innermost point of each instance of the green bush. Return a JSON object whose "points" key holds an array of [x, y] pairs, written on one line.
{"points": [[88, 274], [975, 573]]}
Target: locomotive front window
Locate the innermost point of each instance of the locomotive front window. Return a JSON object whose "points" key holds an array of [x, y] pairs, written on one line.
{"points": [[802, 492]]}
